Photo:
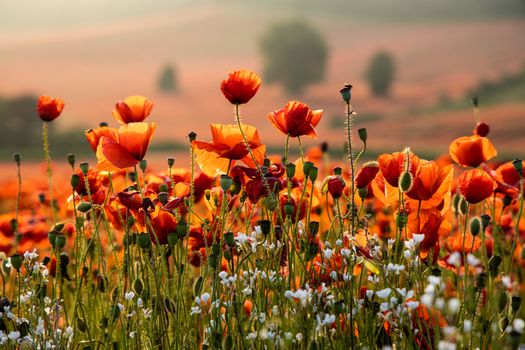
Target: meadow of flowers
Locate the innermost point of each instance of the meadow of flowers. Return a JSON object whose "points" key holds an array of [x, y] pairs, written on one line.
{"points": [[249, 251]]}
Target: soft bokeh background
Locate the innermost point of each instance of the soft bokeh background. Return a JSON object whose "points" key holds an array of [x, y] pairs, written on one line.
{"points": [[93, 53]]}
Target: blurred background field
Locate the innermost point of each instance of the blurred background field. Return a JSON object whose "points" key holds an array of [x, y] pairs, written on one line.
{"points": [[93, 53]]}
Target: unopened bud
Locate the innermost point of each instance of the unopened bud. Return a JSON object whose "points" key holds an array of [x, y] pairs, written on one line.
{"points": [[144, 241], [266, 227], [171, 162], [163, 197], [515, 303], [306, 168], [192, 136], [463, 206], [506, 201], [312, 173], [475, 226], [313, 228], [143, 165], [485, 221], [338, 171], [290, 170], [405, 182], [363, 134], [138, 286], [103, 124], [75, 180], [17, 158], [84, 207], [16, 262], [518, 165], [288, 209], [481, 129], [494, 263], [229, 238], [226, 182], [60, 241]]}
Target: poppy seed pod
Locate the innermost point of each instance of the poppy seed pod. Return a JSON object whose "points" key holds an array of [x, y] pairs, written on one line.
{"points": [[312, 173], [172, 239], [288, 209], [338, 171], [144, 241], [226, 182], [485, 221], [266, 227], [17, 158], [171, 162], [229, 239], [494, 263], [405, 182], [75, 180], [306, 168], [463, 206], [138, 286], [163, 197], [71, 159], [84, 167], [346, 93], [84, 207]]}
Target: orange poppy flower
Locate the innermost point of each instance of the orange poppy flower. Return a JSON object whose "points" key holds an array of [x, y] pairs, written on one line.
{"points": [[296, 119], [509, 174], [93, 135], [228, 146], [240, 86], [476, 185], [471, 150], [126, 147], [429, 178], [49, 108], [134, 109], [431, 224], [392, 165]]}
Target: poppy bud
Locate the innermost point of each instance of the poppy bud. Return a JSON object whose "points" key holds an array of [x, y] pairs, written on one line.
{"points": [[339, 306], [215, 248], [455, 203], [84, 207], [507, 200], [172, 239], [132, 176], [363, 134], [463, 206], [515, 303], [75, 179], [313, 227], [290, 170], [336, 185], [306, 168], [346, 93], [324, 147], [313, 345], [144, 241], [163, 188], [229, 238], [84, 167], [213, 260], [226, 182], [481, 281], [267, 162], [228, 254], [518, 165], [266, 227], [475, 101], [494, 263], [14, 225], [312, 173], [405, 182], [207, 194], [227, 342], [338, 171], [475, 226], [16, 262], [143, 165], [60, 241], [192, 136], [17, 158], [42, 197], [182, 229], [485, 221], [163, 197], [401, 220], [130, 221], [71, 159], [362, 192], [482, 129], [288, 209], [171, 162], [103, 124]]}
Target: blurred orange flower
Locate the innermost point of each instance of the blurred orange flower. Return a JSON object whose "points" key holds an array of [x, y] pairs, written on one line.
{"points": [[429, 178], [49, 108], [296, 119], [476, 185], [133, 109], [126, 147], [471, 150], [226, 147], [240, 86]]}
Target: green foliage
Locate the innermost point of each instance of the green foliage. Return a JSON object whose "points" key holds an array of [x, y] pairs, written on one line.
{"points": [[168, 79], [381, 73], [294, 55]]}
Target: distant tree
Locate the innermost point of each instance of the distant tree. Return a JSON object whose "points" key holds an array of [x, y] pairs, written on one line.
{"points": [[381, 73], [168, 79], [294, 55]]}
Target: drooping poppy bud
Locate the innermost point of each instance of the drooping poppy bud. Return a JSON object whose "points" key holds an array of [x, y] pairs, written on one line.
{"points": [[481, 129], [336, 185], [366, 174], [49, 108]]}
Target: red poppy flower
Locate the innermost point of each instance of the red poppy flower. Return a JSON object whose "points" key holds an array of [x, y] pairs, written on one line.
{"points": [[476, 185], [392, 165], [296, 119], [134, 109], [240, 86], [127, 147], [49, 108], [366, 174], [228, 146], [471, 150]]}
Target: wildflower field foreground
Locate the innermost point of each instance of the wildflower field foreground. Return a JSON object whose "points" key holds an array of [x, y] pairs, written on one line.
{"points": [[243, 250]]}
